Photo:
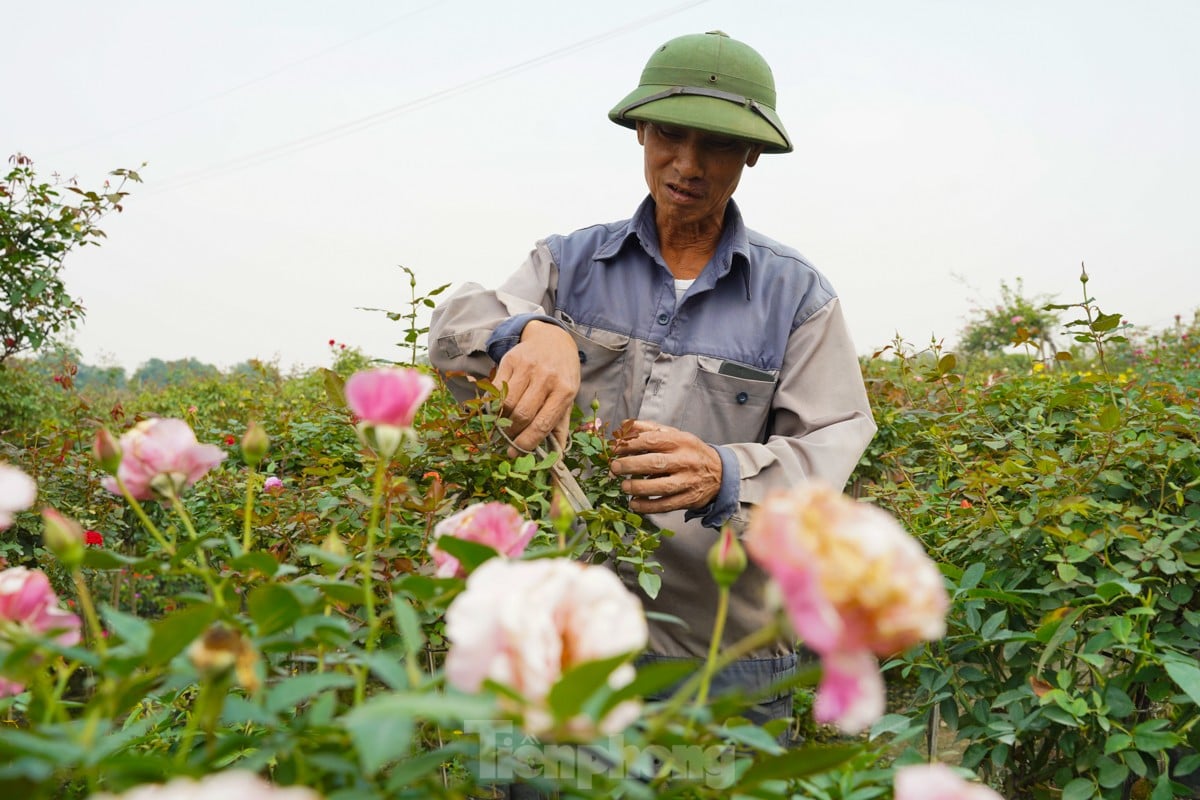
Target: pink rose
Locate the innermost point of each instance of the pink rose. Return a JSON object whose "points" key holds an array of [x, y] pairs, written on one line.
{"points": [[523, 624], [388, 396], [855, 585], [497, 525], [17, 493], [937, 782], [230, 785], [851, 691], [27, 603], [160, 456], [273, 485], [27, 600]]}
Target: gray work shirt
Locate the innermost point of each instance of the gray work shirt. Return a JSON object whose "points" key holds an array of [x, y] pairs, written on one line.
{"points": [[755, 360]]}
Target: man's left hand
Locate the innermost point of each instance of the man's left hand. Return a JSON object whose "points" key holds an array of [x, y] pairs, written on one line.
{"points": [[668, 469]]}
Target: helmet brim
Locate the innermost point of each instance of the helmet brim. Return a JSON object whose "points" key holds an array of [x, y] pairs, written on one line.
{"points": [[709, 114]]}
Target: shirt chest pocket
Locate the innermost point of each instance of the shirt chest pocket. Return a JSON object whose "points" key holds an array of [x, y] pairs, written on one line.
{"points": [[728, 402], [602, 364]]}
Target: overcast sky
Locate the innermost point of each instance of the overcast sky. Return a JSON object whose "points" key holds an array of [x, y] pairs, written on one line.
{"points": [[297, 151]]}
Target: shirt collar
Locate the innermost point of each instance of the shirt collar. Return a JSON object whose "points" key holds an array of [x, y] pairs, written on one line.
{"points": [[734, 244]]}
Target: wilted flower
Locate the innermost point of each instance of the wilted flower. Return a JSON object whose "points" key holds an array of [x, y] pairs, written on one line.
{"points": [[162, 454], [221, 648], [937, 782], [230, 785], [273, 485], [523, 624], [29, 605], [497, 525], [334, 545], [17, 493], [855, 585], [386, 401]]}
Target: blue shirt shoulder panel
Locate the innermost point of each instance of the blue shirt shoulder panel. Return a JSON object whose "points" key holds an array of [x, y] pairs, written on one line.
{"points": [[752, 295]]}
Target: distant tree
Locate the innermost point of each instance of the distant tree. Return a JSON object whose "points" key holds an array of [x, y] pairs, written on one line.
{"points": [[93, 377], [38, 228], [253, 368], [157, 372], [1016, 321]]}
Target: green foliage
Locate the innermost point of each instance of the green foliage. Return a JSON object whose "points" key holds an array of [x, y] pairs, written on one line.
{"points": [[1062, 504], [156, 373], [1064, 507], [38, 228], [352, 699]]}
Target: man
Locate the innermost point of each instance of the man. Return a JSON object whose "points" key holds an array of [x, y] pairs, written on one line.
{"points": [[727, 350]]}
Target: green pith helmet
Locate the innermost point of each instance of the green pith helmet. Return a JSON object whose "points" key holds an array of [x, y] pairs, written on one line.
{"points": [[710, 82]]}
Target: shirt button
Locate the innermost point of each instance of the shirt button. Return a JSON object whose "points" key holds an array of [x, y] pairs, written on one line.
{"points": [[582, 357], [742, 397], [663, 319]]}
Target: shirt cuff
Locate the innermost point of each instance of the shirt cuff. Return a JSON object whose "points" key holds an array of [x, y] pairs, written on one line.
{"points": [[508, 333], [722, 507]]}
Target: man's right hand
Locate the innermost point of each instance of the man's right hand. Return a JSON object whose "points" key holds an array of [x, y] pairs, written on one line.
{"points": [[542, 373]]}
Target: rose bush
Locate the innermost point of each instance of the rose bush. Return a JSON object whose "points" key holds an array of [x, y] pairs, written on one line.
{"points": [[1063, 507], [1060, 505], [336, 644]]}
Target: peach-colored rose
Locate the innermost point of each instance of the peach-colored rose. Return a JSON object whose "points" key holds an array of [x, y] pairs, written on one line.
{"points": [[523, 624], [17, 493], [497, 525], [937, 782], [158, 454], [231, 785], [851, 692], [854, 584]]}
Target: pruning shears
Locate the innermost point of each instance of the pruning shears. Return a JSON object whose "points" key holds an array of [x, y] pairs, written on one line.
{"points": [[560, 476], [571, 490]]}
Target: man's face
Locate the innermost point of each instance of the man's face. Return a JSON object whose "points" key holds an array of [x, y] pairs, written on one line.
{"points": [[692, 174]]}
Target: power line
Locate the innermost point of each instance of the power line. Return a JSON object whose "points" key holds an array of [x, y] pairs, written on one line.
{"points": [[246, 83], [371, 120]]}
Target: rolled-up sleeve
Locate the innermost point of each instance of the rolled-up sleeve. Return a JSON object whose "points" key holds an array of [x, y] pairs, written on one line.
{"points": [[462, 327]]}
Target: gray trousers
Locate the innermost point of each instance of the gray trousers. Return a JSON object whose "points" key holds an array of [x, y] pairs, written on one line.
{"points": [[750, 676]]}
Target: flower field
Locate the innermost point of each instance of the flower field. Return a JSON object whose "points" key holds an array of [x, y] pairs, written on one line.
{"points": [[338, 584]]}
